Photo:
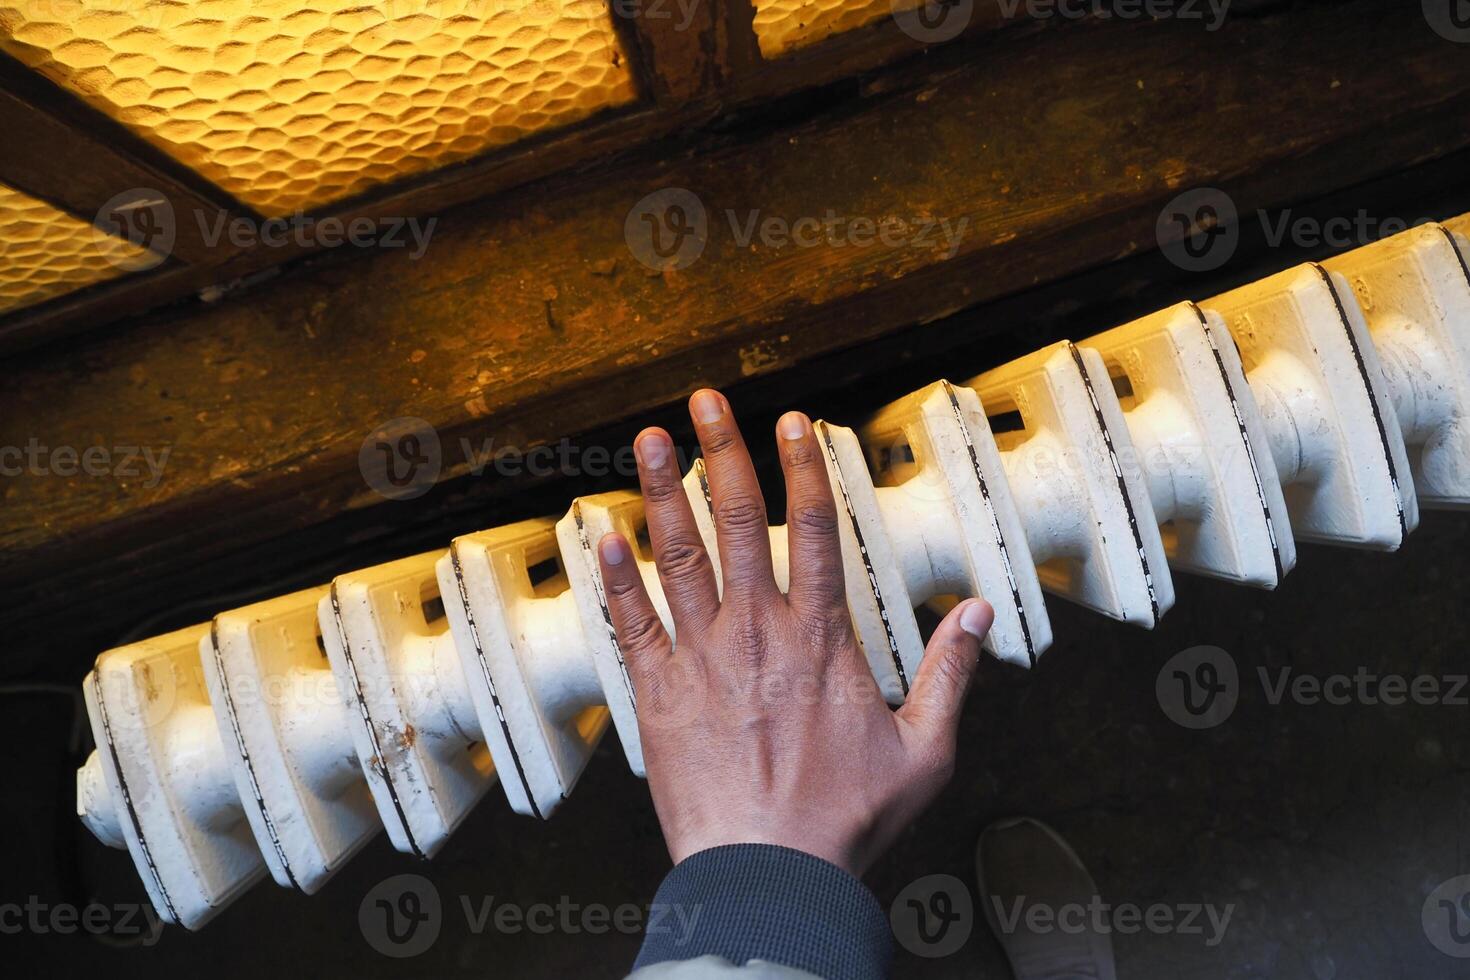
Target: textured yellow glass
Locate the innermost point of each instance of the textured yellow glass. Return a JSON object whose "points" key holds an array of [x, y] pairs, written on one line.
{"points": [[46, 253], [291, 104], [782, 26]]}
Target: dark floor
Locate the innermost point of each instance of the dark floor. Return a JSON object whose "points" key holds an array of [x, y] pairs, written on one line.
{"points": [[1322, 828]]}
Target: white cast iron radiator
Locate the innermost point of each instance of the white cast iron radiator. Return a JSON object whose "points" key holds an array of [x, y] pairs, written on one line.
{"points": [[1326, 403]]}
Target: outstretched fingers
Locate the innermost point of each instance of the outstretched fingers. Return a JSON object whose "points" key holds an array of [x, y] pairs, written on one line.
{"points": [[739, 506], [678, 550], [812, 540], [641, 636]]}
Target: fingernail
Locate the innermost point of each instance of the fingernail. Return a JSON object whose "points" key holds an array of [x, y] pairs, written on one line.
{"points": [[793, 425], [614, 549], [653, 449], [707, 406], [976, 618]]}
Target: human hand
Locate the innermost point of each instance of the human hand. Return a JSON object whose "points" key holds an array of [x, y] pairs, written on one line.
{"points": [[763, 723]]}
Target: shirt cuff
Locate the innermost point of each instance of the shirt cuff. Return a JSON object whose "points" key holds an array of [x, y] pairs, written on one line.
{"points": [[748, 902]]}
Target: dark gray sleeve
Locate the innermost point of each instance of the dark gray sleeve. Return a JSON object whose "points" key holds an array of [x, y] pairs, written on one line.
{"points": [[714, 968], [775, 905]]}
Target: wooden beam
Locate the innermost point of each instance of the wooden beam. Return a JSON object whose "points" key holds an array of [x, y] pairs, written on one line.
{"points": [[689, 74], [740, 52], [417, 198], [532, 318], [675, 47], [78, 160], [854, 52]]}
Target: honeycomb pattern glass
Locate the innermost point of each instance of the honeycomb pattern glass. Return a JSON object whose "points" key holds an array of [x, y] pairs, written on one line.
{"points": [[46, 253], [291, 104], [783, 26]]}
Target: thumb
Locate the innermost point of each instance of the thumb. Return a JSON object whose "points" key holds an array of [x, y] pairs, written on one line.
{"points": [[933, 707]]}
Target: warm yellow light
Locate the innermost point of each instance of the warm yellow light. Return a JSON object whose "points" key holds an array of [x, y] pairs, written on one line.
{"points": [[46, 253], [290, 104], [782, 26]]}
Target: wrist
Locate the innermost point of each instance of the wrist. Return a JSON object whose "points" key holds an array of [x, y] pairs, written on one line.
{"points": [[758, 901], [813, 836]]}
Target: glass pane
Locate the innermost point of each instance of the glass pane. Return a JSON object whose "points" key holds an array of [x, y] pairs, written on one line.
{"points": [[782, 26], [289, 104], [46, 253]]}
